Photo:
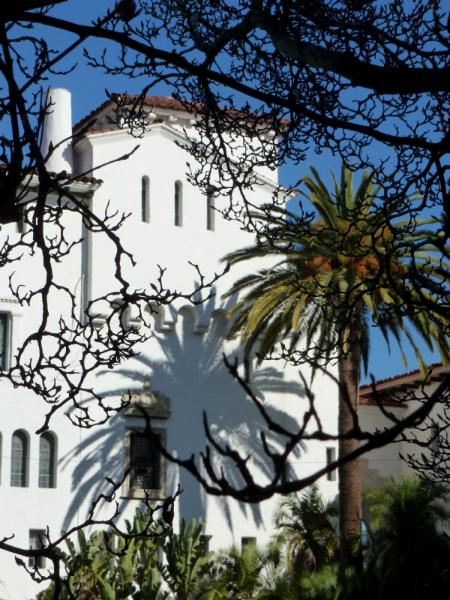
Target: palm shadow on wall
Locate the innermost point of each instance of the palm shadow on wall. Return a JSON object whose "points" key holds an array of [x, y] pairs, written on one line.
{"points": [[184, 362]]}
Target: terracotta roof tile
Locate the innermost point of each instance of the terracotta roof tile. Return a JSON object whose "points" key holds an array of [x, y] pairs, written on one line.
{"points": [[397, 379], [165, 102], [162, 102], [92, 115], [384, 387]]}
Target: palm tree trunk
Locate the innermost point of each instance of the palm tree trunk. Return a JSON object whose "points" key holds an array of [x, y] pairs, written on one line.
{"points": [[350, 472]]}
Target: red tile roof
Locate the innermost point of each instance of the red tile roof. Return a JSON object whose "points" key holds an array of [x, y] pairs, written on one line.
{"points": [[166, 102], [397, 379], [162, 102], [384, 387]]}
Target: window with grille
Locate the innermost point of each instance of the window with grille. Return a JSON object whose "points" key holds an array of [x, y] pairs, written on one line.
{"points": [[145, 200], [145, 472], [178, 204], [3, 340], [19, 459], [47, 460], [37, 541]]}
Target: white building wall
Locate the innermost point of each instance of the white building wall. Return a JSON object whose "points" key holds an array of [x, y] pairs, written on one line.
{"points": [[183, 360], [379, 465]]}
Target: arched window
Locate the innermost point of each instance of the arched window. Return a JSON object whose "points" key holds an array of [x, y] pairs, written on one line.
{"points": [[145, 199], [178, 204], [47, 460], [19, 459], [210, 212]]}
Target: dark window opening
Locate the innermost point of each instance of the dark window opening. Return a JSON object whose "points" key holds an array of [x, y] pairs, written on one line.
{"points": [[21, 223], [145, 200], [3, 340], [331, 457], [210, 212], [178, 204], [19, 459], [284, 478], [47, 461], [205, 540], [247, 541], [145, 463], [37, 542]]}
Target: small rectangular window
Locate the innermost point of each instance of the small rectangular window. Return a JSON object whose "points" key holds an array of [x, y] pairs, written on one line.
{"points": [[247, 541], [285, 469], [331, 457], [205, 540], [37, 541]]}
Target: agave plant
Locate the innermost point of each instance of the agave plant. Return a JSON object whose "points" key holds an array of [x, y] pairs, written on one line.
{"points": [[106, 566], [186, 560]]}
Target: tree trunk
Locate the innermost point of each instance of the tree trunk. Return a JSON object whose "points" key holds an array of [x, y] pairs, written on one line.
{"points": [[349, 473]]}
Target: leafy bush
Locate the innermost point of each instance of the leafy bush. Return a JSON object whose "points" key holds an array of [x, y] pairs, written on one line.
{"points": [[408, 556]]}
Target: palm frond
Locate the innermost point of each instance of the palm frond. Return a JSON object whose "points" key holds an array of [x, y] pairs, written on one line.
{"points": [[350, 259]]}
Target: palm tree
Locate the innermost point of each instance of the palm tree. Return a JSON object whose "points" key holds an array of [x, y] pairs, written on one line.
{"points": [[409, 553], [306, 530], [240, 574], [334, 270]]}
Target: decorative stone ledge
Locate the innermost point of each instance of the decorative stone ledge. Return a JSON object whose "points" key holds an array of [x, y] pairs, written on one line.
{"points": [[154, 404]]}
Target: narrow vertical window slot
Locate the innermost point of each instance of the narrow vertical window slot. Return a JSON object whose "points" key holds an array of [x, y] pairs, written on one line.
{"points": [[3, 341], [21, 223], [178, 204], [145, 200], [331, 457], [210, 212]]}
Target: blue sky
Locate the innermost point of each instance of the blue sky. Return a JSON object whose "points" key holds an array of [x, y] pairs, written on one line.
{"points": [[88, 91]]}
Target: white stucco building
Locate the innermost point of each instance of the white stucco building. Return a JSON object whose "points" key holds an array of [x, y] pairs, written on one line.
{"points": [[400, 396], [50, 480]]}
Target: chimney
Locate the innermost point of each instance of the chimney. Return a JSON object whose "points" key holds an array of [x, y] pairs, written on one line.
{"points": [[57, 126]]}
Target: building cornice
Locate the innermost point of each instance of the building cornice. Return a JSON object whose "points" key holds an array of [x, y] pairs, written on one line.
{"points": [[75, 184]]}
